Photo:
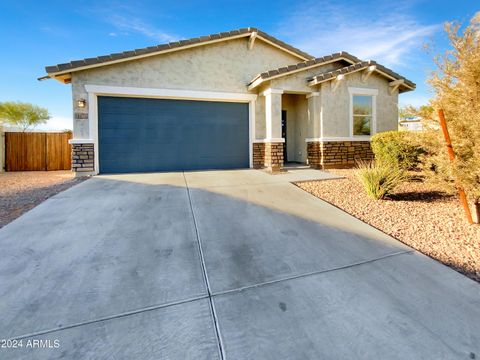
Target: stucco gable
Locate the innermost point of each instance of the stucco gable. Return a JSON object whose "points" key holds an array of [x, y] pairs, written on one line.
{"points": [[367, 67], [342, 57], [62, 71], [224, 66]]}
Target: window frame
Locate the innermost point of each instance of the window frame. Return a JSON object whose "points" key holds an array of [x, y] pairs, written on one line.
{"points": [[363, 92]]}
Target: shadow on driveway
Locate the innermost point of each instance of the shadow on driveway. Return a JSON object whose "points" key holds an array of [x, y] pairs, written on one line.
{"points": [[170, 266]]}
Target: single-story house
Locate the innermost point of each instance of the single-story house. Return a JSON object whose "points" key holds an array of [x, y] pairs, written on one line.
{"points": [[411, 124], [235, 99]]}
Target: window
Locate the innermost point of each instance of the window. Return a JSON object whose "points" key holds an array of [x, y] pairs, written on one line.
{"points": [[362, 114], [362, 111]]}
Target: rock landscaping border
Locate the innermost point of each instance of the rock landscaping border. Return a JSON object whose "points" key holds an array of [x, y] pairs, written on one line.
{"points": [[429, 221]]}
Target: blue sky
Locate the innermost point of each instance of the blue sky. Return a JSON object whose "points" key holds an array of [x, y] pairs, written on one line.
{"points": [[38, 33]]}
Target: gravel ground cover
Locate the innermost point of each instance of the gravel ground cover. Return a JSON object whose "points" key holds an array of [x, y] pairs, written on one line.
{"points": [[21, 191], [429, 221]]}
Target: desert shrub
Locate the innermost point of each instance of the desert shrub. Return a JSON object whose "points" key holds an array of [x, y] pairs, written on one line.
{"points": [[397, 149], [456, 87], [378, 179]]}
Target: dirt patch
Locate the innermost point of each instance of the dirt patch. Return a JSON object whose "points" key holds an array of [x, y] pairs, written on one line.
{"points": [[21, 191], [429, 221]]}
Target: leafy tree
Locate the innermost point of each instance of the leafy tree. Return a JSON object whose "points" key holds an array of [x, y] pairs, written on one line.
{"points": [[409, 111], [456, 84], [406, 112], [23, 115]]}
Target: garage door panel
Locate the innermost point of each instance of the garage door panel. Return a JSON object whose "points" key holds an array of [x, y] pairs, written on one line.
{"points": [[139, 135]]}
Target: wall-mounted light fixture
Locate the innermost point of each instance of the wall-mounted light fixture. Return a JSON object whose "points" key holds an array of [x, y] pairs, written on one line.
{"points": [[81, 103]]}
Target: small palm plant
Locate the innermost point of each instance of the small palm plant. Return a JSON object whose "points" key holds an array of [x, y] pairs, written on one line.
{"points": [[379, 180]]}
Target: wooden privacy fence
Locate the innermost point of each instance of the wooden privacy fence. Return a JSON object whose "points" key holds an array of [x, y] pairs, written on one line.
{"points": [[37, 151]]}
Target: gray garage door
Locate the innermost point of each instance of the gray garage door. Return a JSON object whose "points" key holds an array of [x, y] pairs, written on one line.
{"points": [[141, 135]]}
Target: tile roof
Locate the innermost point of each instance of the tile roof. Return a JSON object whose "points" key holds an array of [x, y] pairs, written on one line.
{"points": [[72, 65], [306, 64], [317, 79]]}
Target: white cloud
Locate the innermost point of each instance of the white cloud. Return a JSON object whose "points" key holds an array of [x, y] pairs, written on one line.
{"points": [[57, 123], [128, 18], [136, 25], [55, 31], [388, 34]]}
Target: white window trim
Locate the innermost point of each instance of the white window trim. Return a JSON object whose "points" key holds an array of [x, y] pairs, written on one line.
{"points": [[98, 90], [363, 91]]}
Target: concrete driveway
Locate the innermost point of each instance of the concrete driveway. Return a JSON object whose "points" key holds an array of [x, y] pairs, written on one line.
{"points": [[222, 265]]}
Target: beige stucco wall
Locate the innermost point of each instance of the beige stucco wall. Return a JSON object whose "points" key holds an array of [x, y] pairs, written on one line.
{"points": [[260, 117], [225, 66], [314, 115], [335, 106], [228, 67], [330, 111]]}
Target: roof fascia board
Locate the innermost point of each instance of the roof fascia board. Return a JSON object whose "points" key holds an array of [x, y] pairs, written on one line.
{"points": [[142, 56], [258, 80], [188, 46], [314, 81], [394, 78]]}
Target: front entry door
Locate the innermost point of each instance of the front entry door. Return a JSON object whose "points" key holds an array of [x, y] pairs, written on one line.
{"points": [[284, 134]]}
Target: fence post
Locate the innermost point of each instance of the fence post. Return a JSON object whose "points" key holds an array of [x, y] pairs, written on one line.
{"points": [[2, 149], [46, 151]]}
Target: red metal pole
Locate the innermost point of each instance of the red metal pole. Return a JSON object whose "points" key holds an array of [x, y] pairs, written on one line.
{"points": [[451, 155]]}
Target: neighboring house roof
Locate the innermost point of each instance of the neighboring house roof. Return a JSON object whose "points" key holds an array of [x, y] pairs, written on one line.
{"points": [[403, 83], [77, 65], [410, 121], [305, 65]]}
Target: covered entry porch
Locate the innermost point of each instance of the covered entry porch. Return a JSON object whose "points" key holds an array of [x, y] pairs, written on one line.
{"points": [[293, 127], [283, 123]]}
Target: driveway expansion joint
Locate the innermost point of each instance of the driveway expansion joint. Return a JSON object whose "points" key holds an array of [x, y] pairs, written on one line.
{"points": [[205, 276], [111, 317], [313, 273]]}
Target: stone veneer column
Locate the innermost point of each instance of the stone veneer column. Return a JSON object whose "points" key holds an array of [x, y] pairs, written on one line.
{"points": [[83, 159], [274, 156], [314, 154], [258, 155], [268, 155]]}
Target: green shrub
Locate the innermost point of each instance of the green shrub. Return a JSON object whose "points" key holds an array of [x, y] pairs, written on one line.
{"points": [[379, 180], [397, 149]]}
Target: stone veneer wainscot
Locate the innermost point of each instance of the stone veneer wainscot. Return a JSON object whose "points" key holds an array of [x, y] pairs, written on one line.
{"points": [[83, 158], [338, 154]]}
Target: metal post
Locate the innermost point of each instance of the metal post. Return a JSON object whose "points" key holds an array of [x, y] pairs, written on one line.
{"points": [[451, 155]]}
